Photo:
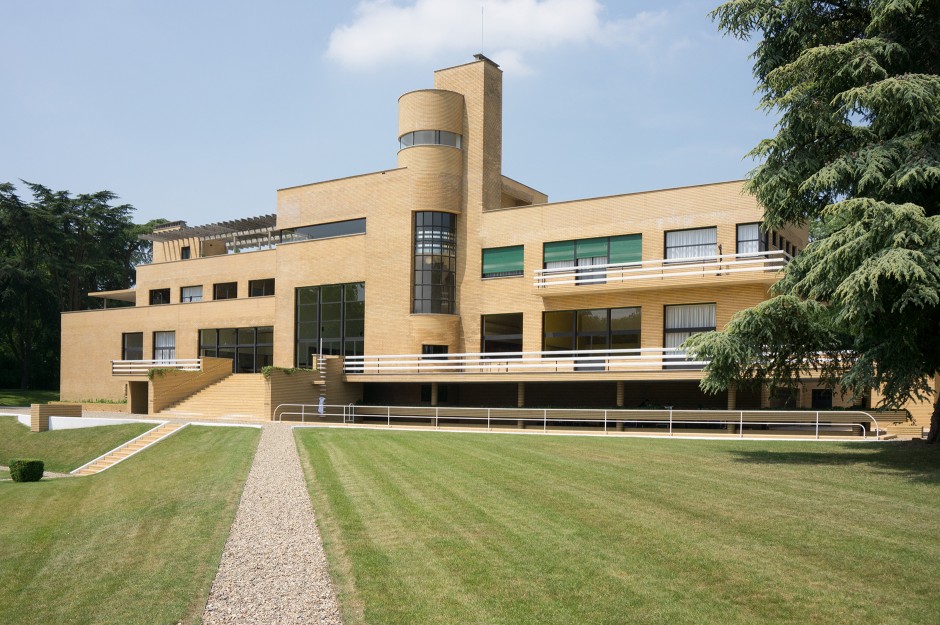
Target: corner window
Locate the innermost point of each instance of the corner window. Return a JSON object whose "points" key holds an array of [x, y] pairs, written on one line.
{"points": [[435, 263], [132, 346], [191, 294], [225, 290], [261, 288], [159, 296], [164, 346], [503, 262], [695, 244]]}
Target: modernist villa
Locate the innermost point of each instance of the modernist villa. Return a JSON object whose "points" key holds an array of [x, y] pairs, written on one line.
{"points": [[441, 282]]}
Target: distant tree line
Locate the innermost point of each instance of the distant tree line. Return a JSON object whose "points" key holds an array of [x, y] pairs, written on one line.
{"points": [[54, 250]]}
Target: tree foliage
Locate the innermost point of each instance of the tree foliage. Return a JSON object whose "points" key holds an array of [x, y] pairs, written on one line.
{"points": [[55, 250], [856, 85]]}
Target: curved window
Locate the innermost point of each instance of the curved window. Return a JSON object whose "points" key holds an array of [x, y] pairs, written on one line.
{"points": [[429, 137], [435, 268]]}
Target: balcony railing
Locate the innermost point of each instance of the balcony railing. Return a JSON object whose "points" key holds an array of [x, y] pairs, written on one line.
{"points": [[643, 359], [717, 265], [141, 367]]}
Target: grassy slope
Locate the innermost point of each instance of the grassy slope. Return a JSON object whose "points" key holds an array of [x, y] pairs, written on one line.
{"points": [[63, 450], [19, 397], [462, 528], [139, 543]]}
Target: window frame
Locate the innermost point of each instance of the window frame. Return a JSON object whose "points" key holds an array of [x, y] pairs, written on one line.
{"points": [[124, 349], [159, 294], [158, 352], [513, 273], [263, 282], [188, 299], [217, 288], [501, 337], [689, 259], [678, 364]]}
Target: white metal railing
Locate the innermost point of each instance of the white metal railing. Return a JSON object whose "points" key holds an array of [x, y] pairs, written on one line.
{"points": [[141, 367], [717, 265], [647, 358], [737, 423]]}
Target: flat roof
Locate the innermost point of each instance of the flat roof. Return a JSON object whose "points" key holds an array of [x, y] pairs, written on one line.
{"points": [[123, 295]]}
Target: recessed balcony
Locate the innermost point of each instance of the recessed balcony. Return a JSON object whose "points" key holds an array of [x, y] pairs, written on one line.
{"points": [[756, 267]]}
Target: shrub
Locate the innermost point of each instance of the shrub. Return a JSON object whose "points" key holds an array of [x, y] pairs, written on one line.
{"points": [[26, 470]]}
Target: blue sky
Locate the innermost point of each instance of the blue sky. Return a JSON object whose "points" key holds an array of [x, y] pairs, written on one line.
{"points": [[201, 110]]}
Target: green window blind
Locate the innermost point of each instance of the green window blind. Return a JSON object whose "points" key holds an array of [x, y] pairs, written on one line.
{"points": [[503, 261], [626, 249], [591, 248], [558, 251]]}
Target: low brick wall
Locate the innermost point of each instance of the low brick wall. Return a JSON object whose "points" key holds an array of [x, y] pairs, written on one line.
{"points": [[39, 414]]}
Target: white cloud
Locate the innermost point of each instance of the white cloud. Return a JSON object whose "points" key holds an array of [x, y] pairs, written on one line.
{"points": [[385, 32]]}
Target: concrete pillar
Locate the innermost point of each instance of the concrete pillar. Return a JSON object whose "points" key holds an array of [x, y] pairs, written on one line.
{"points": [[620, 394], [520, 394], [433, 393], [732, 397]]}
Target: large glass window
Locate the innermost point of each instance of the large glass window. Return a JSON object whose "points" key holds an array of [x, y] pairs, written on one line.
{"points": [[429, 137], [750, 239], [159, 296], [164, 346], [501, 262], [692, 244], [191, 294], [132, 346], [682, 321], [324, 231], [225, 290], [260, 288], [249, 349], [435, 263], [595, 328], [333, 313], [502, 333]]}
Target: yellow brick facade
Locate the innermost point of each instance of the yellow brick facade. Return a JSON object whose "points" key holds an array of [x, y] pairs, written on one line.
{"points": [[492, 211]]}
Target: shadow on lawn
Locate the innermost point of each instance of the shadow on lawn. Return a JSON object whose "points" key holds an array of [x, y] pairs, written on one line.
{"points": [[914, 459]]}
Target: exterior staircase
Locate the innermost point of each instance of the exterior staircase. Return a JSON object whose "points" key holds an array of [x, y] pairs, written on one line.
{"points": [[128, 449], [238, 397]]}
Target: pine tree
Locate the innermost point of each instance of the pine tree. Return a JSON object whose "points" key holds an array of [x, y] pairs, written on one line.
{"points": [[856, 85]]}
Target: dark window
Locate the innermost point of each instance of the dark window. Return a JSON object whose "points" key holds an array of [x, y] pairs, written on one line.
{"points": [[184, 252], [332, 315], [433, 350], [164, 346], [501, 262], [502, 333], [750, 239], [435, 263], [822, 398], [225, 290], [249, 349], [598, 328], [260, 288], [324, 231], [429, 137], [132, 346], [692, 244], [681, 322], [159, 296]]}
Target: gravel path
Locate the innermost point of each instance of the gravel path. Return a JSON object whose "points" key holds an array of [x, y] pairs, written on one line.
{"points": [[273, 569]]}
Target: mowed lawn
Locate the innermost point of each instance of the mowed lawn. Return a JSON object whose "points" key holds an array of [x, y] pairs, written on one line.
{"points": [[473, 528], [137, 544], [25, 397], [63, 450]]}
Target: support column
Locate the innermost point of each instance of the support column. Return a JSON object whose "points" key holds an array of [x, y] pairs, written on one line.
{"points": [[520, 402], [433, 393], [732, 397], [620, 394]]}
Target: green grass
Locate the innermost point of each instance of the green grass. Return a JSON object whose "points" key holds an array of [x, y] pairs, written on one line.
{"points": [[137, 544], [469, 528], [63, 450], [4, 474], [21, 397]]}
